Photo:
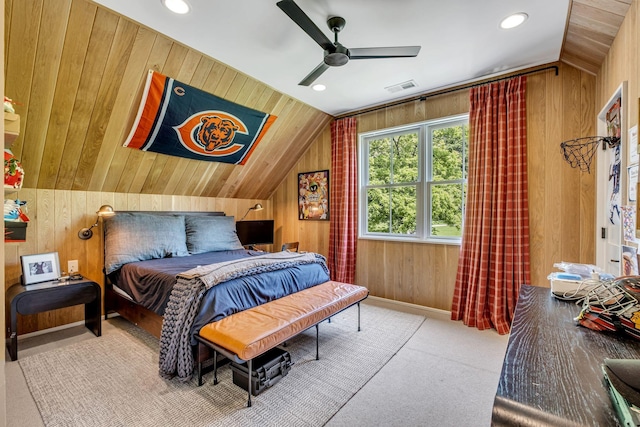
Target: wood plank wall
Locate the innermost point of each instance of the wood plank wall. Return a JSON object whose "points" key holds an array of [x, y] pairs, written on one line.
{"points": [[622, 64], [76, 71], [561, 198], [57, 216], [312, 235]]}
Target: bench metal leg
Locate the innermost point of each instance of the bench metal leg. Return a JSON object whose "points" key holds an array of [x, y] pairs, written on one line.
{"points": [[199, 374], [249, 381], [317, 340], [215, 367], [358, 317]]}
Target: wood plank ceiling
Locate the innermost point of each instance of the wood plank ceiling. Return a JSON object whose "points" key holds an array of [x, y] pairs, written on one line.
{"points": [[593, 24], [76, 71]]}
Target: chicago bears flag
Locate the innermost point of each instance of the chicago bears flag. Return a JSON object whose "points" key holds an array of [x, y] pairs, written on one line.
{"points": [[180, 120]]}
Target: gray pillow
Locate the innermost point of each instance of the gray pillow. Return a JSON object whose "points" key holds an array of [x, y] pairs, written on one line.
{"points": [[211, 233], [131, 237]]}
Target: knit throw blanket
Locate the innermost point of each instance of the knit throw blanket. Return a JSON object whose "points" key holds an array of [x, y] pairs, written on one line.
{"points": [[176, 357]]}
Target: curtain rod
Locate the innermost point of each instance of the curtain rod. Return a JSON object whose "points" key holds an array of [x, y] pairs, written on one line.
{"points": [[455, 89]]}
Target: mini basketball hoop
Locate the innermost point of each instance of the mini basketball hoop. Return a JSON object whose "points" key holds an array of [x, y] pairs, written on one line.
{"points": [[579, 152]]}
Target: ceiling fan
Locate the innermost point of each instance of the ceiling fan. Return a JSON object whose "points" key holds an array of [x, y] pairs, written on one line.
{"points": [[336, 54]]}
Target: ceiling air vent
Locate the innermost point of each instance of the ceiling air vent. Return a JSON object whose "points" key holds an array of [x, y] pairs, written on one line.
{"points": [[402, 86]]}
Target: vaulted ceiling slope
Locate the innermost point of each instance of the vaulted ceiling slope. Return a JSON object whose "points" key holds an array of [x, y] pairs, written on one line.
{"points": [[593, 24], [76, 71]]}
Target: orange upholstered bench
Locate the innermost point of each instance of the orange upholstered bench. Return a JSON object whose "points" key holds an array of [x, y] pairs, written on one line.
{"points": [[245, 335]]}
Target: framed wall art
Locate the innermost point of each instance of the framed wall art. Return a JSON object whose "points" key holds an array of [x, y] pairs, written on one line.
{"points": [[40, 267], [313, 195]]}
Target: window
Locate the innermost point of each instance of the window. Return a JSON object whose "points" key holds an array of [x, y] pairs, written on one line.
{"points": [[413, 181]]}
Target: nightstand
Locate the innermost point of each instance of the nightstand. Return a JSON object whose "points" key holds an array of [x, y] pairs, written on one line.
{"points": [[45, 296]]}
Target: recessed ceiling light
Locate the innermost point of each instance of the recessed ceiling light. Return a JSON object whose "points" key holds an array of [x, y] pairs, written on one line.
{"points": [[514, 20], [177, 6], [318, 87]]}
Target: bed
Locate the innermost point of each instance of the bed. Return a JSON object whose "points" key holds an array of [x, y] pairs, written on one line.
{"points": [[173, 272]]}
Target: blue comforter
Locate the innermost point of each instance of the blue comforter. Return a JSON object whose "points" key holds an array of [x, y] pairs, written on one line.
{"points": [[149, 283]]}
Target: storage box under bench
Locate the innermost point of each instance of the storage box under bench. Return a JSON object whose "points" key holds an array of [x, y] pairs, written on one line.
{"points": [[268, 369]]}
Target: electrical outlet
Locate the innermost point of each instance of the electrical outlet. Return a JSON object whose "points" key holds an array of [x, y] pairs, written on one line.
{"points": [[72, 266]]}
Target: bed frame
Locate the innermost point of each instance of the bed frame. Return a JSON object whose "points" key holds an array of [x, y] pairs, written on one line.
{"points": [[135, 313]]}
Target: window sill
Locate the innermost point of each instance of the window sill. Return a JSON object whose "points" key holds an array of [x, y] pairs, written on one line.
{"points": [[443, 241]]}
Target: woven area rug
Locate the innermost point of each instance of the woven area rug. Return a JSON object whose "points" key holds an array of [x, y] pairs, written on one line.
{"points": [[113, 380]]}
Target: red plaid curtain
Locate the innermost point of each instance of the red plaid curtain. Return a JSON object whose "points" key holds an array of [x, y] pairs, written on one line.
{"points": [[494, 257], [343, 200]]}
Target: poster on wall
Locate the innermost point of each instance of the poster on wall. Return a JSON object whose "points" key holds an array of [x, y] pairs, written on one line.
{"points": [[629, 223], [629, 261], [613, 119], [632, 177], [615, 163], [313, 195], [633, 145]]}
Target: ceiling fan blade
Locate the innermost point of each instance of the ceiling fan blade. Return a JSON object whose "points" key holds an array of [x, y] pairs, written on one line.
{"points": [[312, 76], [384, 52], [299, 17]]}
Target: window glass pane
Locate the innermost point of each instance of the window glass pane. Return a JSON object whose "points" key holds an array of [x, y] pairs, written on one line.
{"points": [[449, 152], [403, 210], [380, 161], [393, 161], [378, 210], [446, 210], [405, 158]]}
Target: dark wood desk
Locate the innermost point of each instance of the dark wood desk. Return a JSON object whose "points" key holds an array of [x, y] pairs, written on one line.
{"points": [[39, 297], [552, 373]]}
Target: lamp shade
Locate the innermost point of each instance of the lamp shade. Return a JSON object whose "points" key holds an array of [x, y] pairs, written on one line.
{"points": [[106, 210]]}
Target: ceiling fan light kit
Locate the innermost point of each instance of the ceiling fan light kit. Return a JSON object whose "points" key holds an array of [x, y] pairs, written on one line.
{"points": [[335, 54]]}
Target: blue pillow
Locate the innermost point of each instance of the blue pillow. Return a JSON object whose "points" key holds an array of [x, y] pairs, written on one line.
{"points": [[131, 237], [211, 234]]}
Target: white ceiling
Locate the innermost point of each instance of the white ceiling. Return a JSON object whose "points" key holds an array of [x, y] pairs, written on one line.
{"points": [[461, 42]]}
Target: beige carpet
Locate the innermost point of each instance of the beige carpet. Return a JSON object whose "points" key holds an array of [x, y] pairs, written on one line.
{"points": [[113, 380]]}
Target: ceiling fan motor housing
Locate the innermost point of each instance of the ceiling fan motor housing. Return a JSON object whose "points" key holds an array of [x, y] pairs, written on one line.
{"points": [[338, 57]]}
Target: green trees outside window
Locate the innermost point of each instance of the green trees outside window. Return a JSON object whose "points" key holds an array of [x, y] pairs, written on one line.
{"points": [[415, 180]]}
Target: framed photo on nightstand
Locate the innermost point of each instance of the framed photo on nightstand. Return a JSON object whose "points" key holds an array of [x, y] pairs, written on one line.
{"points": [[40, 268]]}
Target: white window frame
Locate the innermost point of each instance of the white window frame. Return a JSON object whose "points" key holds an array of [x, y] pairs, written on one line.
{"points": [[423, 184]]}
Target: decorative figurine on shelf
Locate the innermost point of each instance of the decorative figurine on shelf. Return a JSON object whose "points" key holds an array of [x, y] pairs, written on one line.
{"points": [[13, 172], [8, 105], [13, 211]]}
